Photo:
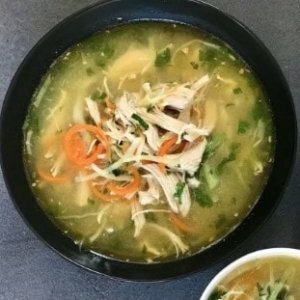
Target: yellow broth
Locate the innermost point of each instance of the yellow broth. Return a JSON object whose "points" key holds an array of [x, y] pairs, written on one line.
{"points": [[235, 166]]}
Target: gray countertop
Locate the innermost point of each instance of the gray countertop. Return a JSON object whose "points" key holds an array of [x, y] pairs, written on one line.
{"points": [[28, 268]]}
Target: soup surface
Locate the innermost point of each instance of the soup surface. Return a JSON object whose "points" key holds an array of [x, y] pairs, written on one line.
{"points": [[274, 278], [148, 142]]}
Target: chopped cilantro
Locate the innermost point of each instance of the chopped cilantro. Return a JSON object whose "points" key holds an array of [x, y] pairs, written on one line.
{"points": [[150, 108], [98, 95], [202, 198], [209, 58], [90, 72], [179, 190], [91, 201], [117, 172], [220, 221], [163, 58], [106, 52], [252, 81], [217, 295], [237, 91], [140, 120], [183, 134], [212, 57], [208, 54], [214, 143], [231, 157], [243, 127], [194, 65], [230, 104], [150, 217]]}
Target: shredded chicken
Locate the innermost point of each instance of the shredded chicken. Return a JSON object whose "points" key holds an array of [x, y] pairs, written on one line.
{"points": [[141, 131], [137, 121], [93, 110], [152, 194], [139, 219]]}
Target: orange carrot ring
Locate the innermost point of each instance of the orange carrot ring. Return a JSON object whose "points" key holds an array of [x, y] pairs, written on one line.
{"points": [[129, 188]]}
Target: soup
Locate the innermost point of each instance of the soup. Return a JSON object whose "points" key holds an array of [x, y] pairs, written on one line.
{"points": [[148, 142], [274, 278]]}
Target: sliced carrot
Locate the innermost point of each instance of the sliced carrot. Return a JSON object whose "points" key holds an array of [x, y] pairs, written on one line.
{"points": [[104, 197], [181, 224], [146, 162], [109, 104], [178, 148], [74, 146], [129, 188], [164, 149], [50, 178]]}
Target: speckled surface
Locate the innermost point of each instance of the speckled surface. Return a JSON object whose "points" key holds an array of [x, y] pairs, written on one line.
{"points": [[28, 268]]}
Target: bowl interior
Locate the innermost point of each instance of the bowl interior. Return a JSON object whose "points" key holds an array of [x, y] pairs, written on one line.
{"points": [[106, 15]]}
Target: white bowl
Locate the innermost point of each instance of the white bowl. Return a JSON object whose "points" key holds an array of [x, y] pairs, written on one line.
{"points": [[266, 253]]}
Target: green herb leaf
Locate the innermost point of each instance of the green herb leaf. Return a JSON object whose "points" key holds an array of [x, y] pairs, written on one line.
{"points": [[220, 221], [243, 127], [237, 91], [252, 81], [98, 95], [183, 134], [194, 65], [179, 190], [150, 108], [91, 201], [208, 54], [106, 52], [214, 143], [217, 295], [202, 198], [90, 72], [230, 104], [231, 157], [150, 217], [163, 58], [140, 120], [117, 172]]}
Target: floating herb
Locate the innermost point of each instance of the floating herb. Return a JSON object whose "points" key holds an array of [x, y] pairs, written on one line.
{"points": [[90, 72], [194, 65], [243, 127], [231, 157], [98, 95], [237, 91], [179, 190], [202, 198], [140, 120], [163, 58]]}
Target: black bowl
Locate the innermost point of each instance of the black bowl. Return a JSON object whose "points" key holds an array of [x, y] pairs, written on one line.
{"points": [[106, 15]]}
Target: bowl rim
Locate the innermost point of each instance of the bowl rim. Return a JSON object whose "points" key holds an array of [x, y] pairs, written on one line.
{"points": [[253, 256], [181, 269]]}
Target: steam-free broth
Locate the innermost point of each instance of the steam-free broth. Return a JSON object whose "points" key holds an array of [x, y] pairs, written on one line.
{"points": [[148, 142]]}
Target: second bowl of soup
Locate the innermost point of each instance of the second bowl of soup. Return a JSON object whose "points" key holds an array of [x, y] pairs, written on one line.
{"points": [[270, 274]]}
